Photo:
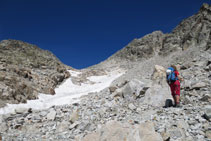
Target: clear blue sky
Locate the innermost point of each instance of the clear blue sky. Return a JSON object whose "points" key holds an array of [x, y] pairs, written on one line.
{"points": [[82, 33]]}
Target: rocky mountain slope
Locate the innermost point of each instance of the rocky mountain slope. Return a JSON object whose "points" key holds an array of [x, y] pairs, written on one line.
{"points": [[131, 108], [191, 32], [26, 70]]}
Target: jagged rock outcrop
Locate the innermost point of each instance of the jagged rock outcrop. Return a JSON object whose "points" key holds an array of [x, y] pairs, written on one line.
{"points": [[26, 70], [194, 31], [159, 90]]}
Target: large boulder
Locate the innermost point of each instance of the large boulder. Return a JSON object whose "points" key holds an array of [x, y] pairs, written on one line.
{"points": [[207, 110], [3, 125], [159, 74], [131, 90], [154, 92], [51, 115], [159, 90], [116, 131]]}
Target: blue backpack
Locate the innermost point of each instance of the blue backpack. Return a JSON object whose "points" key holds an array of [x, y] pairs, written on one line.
{"points": [[170, 75]]}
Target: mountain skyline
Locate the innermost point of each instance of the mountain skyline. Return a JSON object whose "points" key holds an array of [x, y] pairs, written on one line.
{"points": [[82, 34]]}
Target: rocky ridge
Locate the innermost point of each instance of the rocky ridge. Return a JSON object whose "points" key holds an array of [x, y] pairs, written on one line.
{"points": [[136, 99], [191, 32], [26, 70]]}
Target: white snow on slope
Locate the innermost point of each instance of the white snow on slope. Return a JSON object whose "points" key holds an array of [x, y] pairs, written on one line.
{"points": [[66, 93]]}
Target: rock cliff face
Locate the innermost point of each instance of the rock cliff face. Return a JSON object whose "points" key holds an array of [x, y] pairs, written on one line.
{"points": [[26, 70], [194, 31]]}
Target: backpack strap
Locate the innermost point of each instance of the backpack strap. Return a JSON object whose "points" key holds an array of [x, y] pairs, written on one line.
{"points": [[176, 75]]}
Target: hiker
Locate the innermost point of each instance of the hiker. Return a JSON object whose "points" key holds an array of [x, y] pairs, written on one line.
{"points": [[173, 80]]}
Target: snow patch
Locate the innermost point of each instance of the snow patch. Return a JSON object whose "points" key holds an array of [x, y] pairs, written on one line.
{"points": [[74, 73], [66, 93]]}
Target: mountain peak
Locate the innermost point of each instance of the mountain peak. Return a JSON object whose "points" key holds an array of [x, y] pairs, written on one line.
{"points": [[205, 7], [191, 32]]}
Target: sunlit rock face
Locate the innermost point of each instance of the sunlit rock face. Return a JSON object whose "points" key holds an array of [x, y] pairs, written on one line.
{"points": [[26, 70]]}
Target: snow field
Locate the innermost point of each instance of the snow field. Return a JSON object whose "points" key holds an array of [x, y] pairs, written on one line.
{"points": [[66, 93]]}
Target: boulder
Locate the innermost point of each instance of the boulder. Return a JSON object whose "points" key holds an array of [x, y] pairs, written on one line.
{"points": [[66, 74], [118, 93], [116, 131], [159, 73], [51, 115], [74, 116], [159, 90], [58, 77], [63, 126], [176, 133], [182, 125], [52, 91], [147, 132], [74, 125], [132, 106], [165, 136], [112, 89], [2, 103], [22, 110], [208, 134], [157, 95], [186, 85], [60, 69], [91, 137], [199, 85], [208, 111], [206, 98], [3, 125], [132, 90]]}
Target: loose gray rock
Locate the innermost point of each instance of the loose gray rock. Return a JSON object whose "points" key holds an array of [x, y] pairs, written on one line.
{"points": [[208, 111], [51, 115], [199, 85], [22, 110], [74, 116], [208, 134], [132, 89], [132, 106], [75, 124], [112, 89]]}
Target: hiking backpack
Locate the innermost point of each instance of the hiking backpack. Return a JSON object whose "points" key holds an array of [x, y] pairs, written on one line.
{"points": [[170, 75]]}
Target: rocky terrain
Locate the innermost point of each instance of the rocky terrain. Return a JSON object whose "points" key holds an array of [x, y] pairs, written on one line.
{"points": [[131, 108], [26, 70]]}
